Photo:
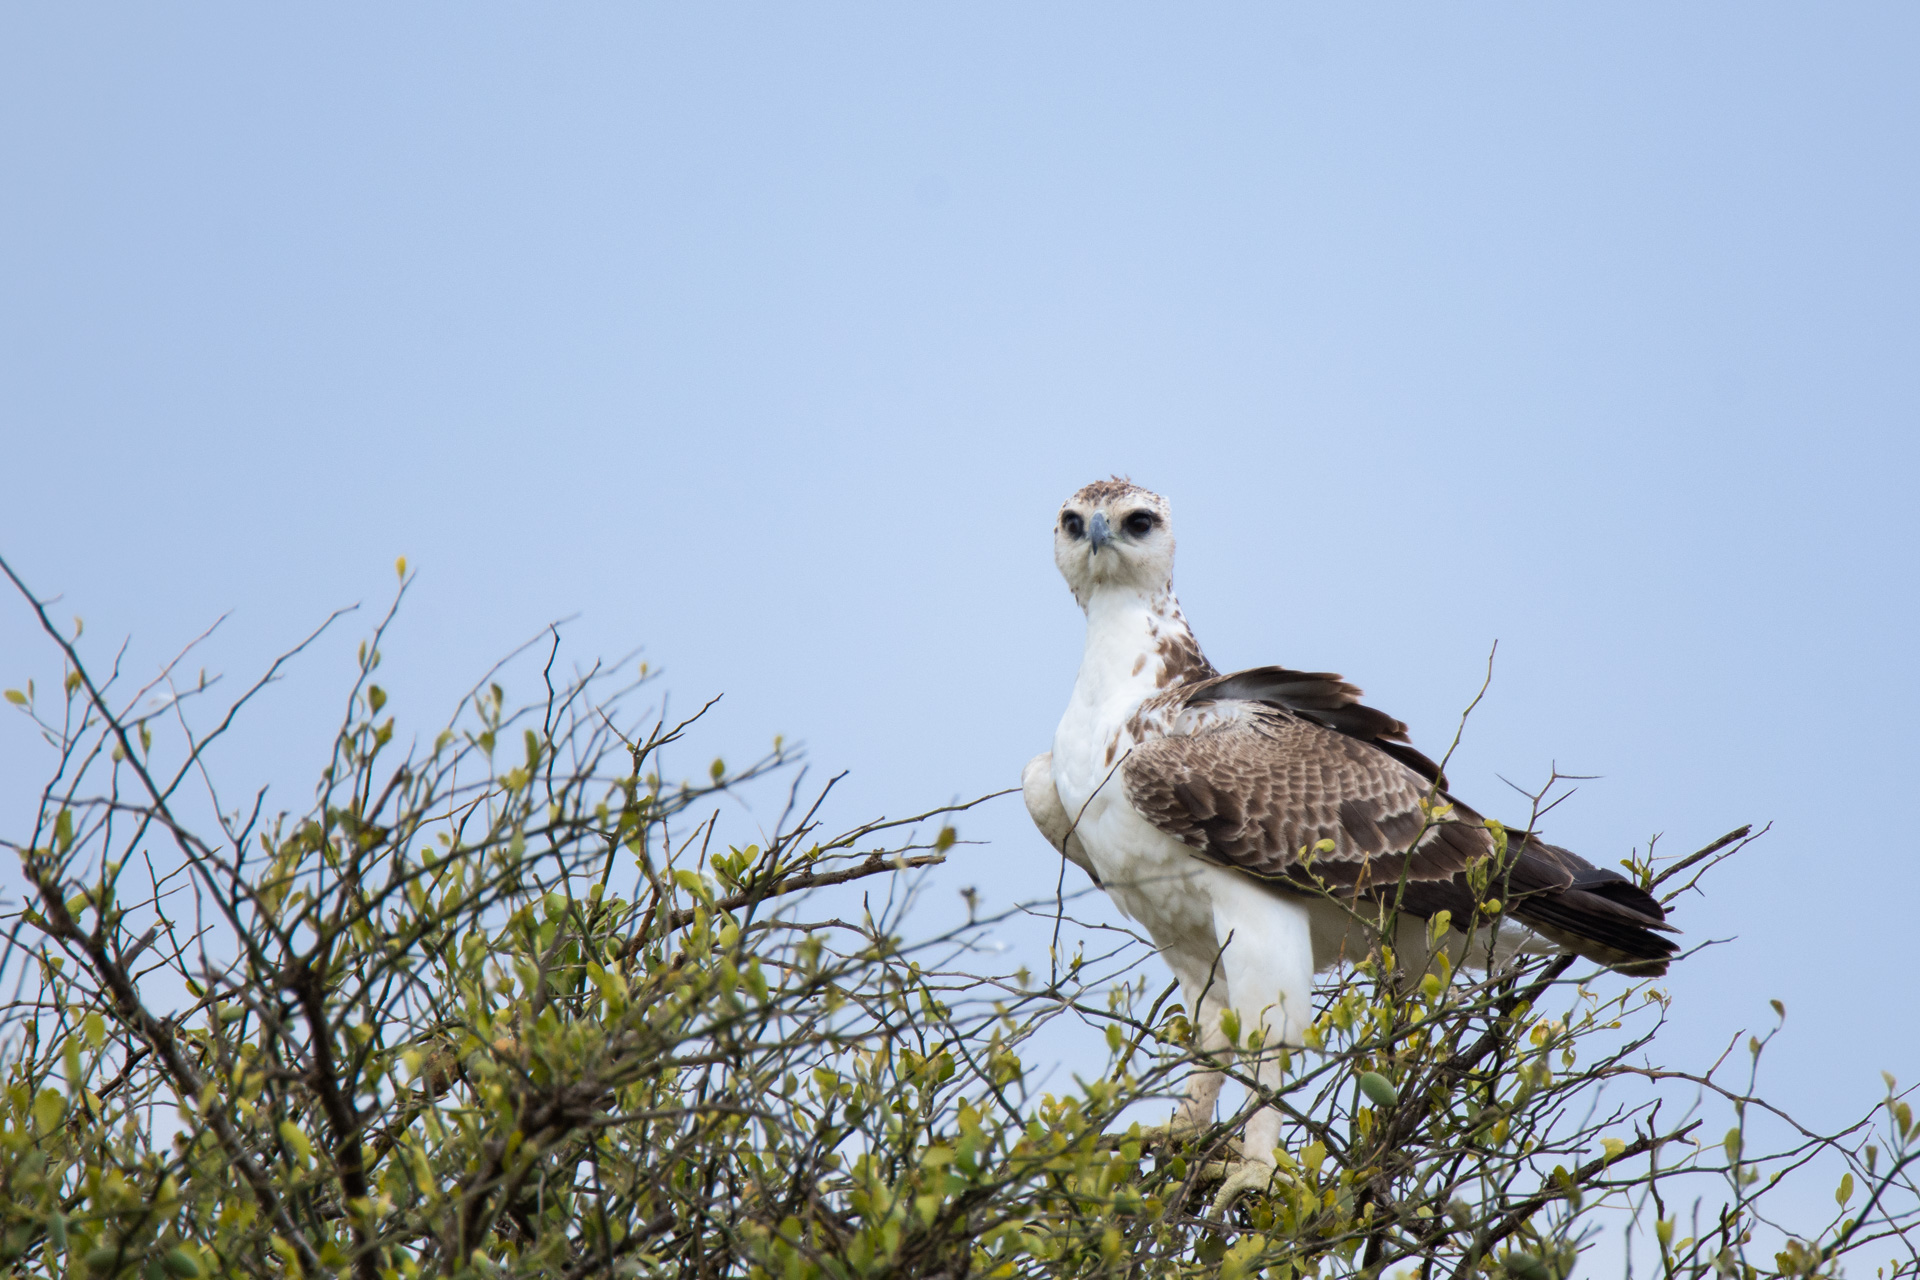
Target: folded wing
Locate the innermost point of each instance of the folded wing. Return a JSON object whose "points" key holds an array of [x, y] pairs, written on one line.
{"points": [[1292, 779]]}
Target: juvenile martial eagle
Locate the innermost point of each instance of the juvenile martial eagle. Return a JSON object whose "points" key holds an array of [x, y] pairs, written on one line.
{"points": [[1190, 797]]}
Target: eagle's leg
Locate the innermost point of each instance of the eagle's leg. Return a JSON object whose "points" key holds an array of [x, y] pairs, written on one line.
{"points": [[1266, 957], [1203, 1086], [1195, 1113]]}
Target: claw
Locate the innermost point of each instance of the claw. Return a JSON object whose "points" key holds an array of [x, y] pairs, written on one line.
{"points": [[1247, 1175]]}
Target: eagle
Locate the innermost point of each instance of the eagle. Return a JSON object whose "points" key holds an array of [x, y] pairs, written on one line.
{"points": [[1247, 820]]}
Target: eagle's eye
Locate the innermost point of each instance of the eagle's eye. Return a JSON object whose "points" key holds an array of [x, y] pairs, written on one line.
{"points": [[1140, 523], [1073, 524]]}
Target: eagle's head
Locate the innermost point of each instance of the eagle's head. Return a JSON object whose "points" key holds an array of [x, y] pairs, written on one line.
{"points": [[1113, 533]]}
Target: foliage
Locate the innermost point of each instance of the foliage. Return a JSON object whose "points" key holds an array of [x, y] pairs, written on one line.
{"points": [[502, 1003]]}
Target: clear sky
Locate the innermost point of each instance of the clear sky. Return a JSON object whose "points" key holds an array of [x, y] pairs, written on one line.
{"points": [[770, 337]]}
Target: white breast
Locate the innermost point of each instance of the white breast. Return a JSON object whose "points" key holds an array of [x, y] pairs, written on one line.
{"points": [[1152, 877]]}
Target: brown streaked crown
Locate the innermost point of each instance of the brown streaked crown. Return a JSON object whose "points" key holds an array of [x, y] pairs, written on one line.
{"points": [[1111, 490]]}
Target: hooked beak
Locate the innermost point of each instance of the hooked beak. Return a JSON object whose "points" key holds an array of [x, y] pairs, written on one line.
{"points": [[1099, 532]]}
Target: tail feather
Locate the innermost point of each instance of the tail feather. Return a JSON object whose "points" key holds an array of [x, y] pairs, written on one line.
{"points": [[1556, 893], [1596, 913]]}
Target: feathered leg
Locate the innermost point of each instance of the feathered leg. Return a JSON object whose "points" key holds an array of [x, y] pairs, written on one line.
{"points": [[1194, 1114], [1203, 1086], [1266, 957]]}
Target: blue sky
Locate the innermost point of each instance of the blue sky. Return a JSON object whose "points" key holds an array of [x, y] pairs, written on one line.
{"points": [[771, 337]]}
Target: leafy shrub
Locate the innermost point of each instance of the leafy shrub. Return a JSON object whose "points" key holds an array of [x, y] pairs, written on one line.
{"points": [[503, 1004]]}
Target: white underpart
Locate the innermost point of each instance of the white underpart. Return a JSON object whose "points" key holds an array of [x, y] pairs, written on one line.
{"points": [[1232, 941]]}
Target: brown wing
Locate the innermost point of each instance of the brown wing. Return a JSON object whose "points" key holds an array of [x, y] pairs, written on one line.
{"points": [[1309, 765], [1257, 793], [1324, 699]]}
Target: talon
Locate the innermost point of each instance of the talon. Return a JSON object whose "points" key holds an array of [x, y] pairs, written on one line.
{"points": [[1248, 1175]]}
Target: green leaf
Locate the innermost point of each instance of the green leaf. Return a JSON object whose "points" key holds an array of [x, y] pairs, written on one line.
{"points": [[1526, 1266], [291, 1135], [16, 697], [1845, 1191], [613, 987]]}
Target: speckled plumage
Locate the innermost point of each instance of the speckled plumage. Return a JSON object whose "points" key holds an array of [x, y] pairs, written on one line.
{"points": [[1216, 810]]}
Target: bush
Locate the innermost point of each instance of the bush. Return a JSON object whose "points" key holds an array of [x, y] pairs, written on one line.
{"points": [[504, 1004]]}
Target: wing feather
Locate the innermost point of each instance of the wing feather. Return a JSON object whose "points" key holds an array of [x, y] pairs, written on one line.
{"points": [[1292, 779], [1273, 794]]}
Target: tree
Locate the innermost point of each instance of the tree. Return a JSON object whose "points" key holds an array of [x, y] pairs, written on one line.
{"points": [[504, 1003]]}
